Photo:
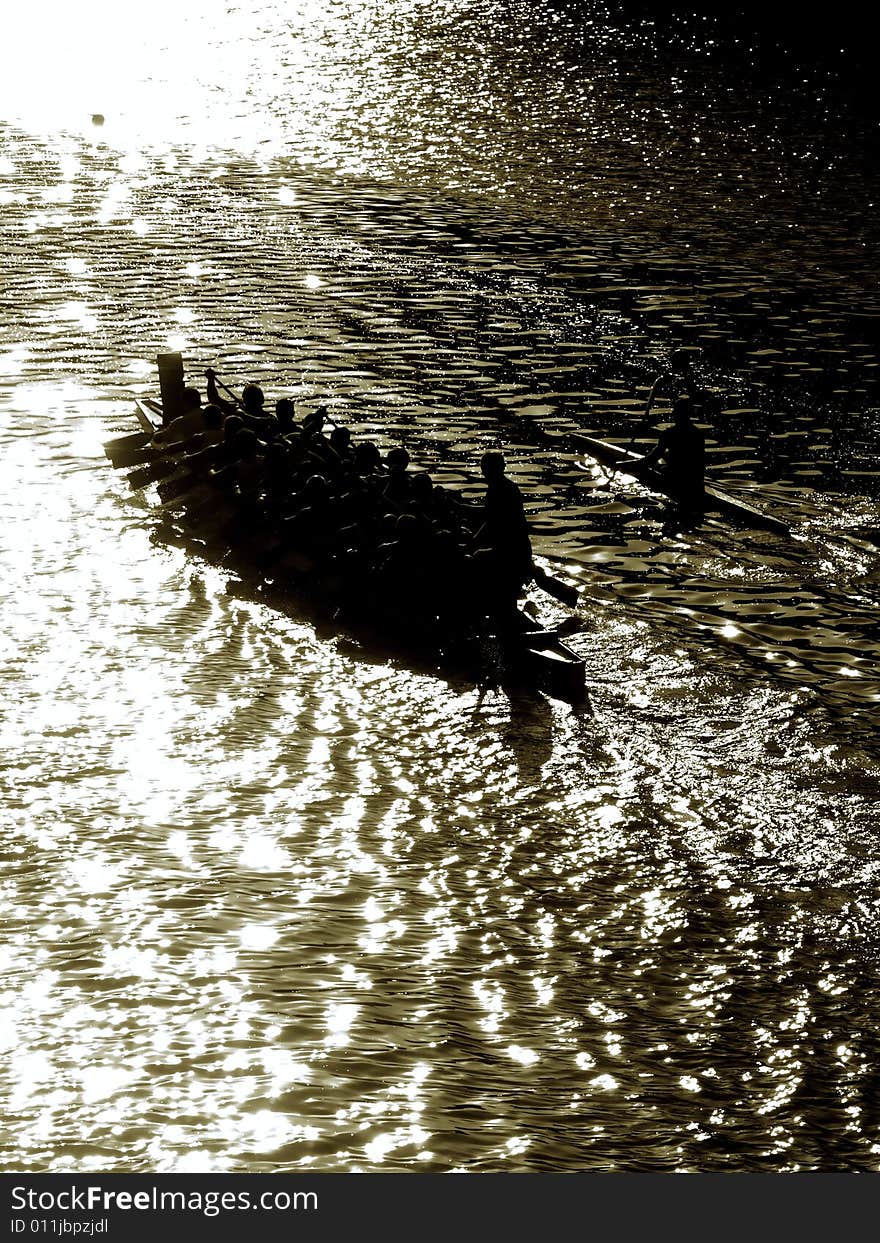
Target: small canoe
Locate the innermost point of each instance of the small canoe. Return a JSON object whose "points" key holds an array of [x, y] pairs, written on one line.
{"points": [[525, 653], [714, 498]]}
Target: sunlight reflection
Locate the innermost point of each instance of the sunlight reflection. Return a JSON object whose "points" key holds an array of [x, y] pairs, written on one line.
{"points": [[338, 1020], [85, 53], [525, 1057], [94, 875], [377, 1149], [130, 960], [101, 1082], [30, 1072], [284, 1069], [257, 936], [262, 853], [221, 828], [266, 1131]]}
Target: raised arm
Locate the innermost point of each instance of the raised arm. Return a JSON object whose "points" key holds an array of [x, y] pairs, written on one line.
{"points": [[214, 397]]}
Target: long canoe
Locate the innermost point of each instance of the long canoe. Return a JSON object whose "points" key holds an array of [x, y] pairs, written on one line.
{"points": [[714, 498], [526, 653]]}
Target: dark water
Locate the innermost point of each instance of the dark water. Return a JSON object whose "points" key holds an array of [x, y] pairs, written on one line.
{"points": [[274, 905]]}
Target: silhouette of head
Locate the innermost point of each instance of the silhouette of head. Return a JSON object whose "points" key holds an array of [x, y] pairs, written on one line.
{"points": [[422, 487], [285, 412], [213, 416], [340, 439], [367, 457], [252, 398], [492, 465]]}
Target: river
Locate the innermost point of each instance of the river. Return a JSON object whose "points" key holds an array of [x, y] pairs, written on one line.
{"points": [[273, 903]]}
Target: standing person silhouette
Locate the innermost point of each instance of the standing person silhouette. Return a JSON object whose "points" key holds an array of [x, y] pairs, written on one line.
{"points": [[504, 533]]}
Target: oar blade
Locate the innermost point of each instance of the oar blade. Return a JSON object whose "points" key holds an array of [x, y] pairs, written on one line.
{"points": [[151, 474], [135, 457], [563, 592], [125, 444], [174, 488]]}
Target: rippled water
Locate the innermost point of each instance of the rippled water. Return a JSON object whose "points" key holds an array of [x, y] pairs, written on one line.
{"points": [[272, 902]]}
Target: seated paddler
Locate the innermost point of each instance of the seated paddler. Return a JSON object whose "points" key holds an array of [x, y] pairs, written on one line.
{"points": [[249, 407], [680, 453], [188, 423]]}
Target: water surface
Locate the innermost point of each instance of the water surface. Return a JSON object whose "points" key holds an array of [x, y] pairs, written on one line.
{"points": [[273, 903]]}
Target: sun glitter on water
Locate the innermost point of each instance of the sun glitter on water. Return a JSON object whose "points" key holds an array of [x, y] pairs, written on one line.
{"points": [[134, 83]]}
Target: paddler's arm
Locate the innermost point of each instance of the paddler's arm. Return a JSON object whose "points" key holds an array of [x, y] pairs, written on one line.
{"points": [[214, 397], [658, 452]]}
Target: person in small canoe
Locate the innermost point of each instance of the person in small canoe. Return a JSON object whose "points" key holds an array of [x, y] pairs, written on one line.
{"points": [[681, 452]]}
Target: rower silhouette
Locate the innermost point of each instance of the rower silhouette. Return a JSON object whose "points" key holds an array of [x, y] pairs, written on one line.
{"points": [[680, 453]]}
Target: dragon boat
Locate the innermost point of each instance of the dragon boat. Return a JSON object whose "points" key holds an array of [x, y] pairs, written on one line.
{"points": [[517, 652]]}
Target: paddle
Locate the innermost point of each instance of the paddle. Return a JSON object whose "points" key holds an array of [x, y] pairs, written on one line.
{"points": [[151, 474], [555, 587], [648, 406], [134, 457], [175, 488], [212, 375], [126, 444], [150, 453], [680, 365]]}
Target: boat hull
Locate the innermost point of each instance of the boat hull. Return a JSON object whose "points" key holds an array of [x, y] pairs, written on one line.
{"points": [[522, 653]]}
